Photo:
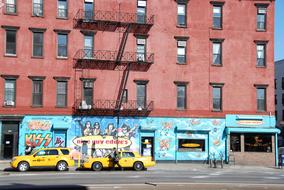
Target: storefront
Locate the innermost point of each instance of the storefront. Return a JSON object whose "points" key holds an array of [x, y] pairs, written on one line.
{"points": [[252, 140]]}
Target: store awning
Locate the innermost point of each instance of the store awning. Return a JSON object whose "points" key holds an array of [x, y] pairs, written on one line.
{"points": [[148, 128], [61, 125], [251, 130], [181, 128]]}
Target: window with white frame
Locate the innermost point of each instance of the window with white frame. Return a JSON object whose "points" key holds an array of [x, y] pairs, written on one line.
{"points": [[181, 51], [37, 7], [62, 9], [181, 16], [141, 11], [141, 49], [10, 92], [11, 6]]}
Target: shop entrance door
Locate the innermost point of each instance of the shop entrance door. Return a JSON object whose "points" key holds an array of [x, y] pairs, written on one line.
{"points": [[147, 146], [8, 146]]}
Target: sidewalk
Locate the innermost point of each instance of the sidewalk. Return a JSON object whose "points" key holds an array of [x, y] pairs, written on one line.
{"points": [[4, 164]]}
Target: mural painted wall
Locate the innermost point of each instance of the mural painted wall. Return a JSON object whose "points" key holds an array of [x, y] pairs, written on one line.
{"points": [[97, 136]]}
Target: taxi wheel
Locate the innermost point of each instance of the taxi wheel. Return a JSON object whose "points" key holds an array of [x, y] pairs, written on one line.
{"points": [[23, 166], [138, 166], [97, 166], [61, 166]]}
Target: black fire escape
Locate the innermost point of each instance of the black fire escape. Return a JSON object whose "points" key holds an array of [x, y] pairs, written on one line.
{"points": [[112, 60]]}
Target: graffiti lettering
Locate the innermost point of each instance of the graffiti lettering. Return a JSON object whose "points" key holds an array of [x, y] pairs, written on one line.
{"points": [[38, 139], [39, 125], [58, 142]]}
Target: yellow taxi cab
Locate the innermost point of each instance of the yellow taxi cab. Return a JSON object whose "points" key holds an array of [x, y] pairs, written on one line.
{"points": [[45, 157], [127, 159]]}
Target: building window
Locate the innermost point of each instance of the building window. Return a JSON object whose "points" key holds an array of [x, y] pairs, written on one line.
{"points": [[282, 119], [191, 145], [258, 143], [282, 99], [276, 116], [282, 83], [11, 42], [11, 6], [275, 83], [88, 91], [181, 14], [235, 142], [275, 99], [62, 9], [141, 49], [37, 44], [217, 98], [181, 96], [37, 7], [141, 95], [217, 16], [261, 99], [37, 93], [181, 51], [10, 92], [141, 11], [261, 55], [61, 93], [62, 45], [89, 9], [261, 17], [217, 53], [88, 45]]}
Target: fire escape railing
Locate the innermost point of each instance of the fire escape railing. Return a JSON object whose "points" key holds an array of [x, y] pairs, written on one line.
{"points": [[113, 16], [105, 55], [111, 105]]}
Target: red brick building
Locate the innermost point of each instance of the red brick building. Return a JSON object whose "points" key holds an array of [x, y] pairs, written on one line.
{"points": [[187, 59]]}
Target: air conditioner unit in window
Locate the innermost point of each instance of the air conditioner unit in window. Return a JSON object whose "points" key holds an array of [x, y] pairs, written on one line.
{"points": [[9, 103], [85, 106]]}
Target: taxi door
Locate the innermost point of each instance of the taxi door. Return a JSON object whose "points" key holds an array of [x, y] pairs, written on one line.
{"points": [[39, 158], [52, 157], [127, 159]]}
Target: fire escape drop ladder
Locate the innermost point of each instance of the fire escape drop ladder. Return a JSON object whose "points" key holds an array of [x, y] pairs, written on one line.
{"points": [[125, 71]]}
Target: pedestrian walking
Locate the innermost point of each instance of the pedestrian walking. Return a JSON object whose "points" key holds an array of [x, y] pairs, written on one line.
{"points": [[115, 159]]}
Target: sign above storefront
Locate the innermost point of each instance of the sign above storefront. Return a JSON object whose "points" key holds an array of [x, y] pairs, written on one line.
{"points": [[250, 122]]}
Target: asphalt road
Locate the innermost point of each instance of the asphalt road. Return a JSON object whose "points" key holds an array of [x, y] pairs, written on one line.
{"points": [[200, 178]]}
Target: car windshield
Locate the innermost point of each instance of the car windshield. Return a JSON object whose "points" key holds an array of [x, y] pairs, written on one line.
{"points": [[33, 151]]}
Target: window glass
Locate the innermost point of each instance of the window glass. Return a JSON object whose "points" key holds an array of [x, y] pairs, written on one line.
{"points": [[128, 155], [65, 151], [10, 90], [216, 53], [181, 10], [191, 145], [53, 152], [258, 143], [37, 92], [62, 45], [261, 18], [141, 49], [260, 55], [141, 14], [11, 6], [62, 9], [181, 51], [37, 44], [88, 45], [141, 95], [11, 42], [235, 142], [181, 96], [217, 98], [41, 153], [217, 16], [261, 99], [88, 92], [89, 10], [38, 7], [61, 93]]}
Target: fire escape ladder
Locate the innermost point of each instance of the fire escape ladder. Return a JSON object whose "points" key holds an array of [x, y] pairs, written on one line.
{"points": [[122, 87], [77, 83], [122, 44]]}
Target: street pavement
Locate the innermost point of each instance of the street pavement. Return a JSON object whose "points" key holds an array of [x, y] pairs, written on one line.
{"points": [[164, 176]]}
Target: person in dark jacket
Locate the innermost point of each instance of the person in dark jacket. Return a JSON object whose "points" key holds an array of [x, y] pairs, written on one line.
{"points": [[115, 159]]}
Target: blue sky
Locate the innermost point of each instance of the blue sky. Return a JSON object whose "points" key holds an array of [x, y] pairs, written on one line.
{"points": [[279, 30]]}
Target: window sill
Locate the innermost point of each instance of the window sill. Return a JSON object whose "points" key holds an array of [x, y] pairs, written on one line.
{"points": [[37, 16], [181, 26], [37, 57], [37, 106], [61, 107], [181, 63], [62, 58], [181, 109], [261, 111], [263, 67], [4, 106], [11, 14], [213, 28], [62, 18], [215, 65], [10, 55], [260, 30], [215, 110]]}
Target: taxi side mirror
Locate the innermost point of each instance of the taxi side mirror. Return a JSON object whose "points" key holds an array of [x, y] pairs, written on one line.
{"points": [[34, 155]]}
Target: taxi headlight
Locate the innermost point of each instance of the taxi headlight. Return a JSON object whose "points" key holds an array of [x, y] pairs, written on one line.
{"points": [[13, 159]]}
